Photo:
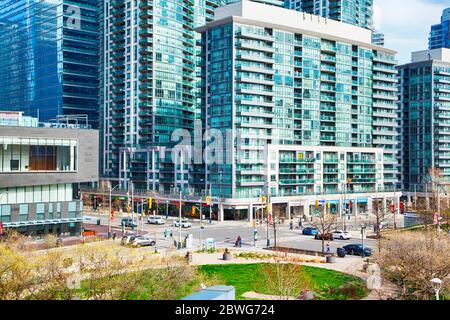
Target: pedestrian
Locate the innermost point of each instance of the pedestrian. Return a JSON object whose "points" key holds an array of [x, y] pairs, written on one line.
{"points": [[165, 233], [291, 225], [300, 223], [171, 234], [114, 236], [328, 248], [239, 242]]}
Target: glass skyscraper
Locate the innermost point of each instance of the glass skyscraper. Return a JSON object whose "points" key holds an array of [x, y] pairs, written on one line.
{"points": [[319, 94], [425, 113], [150, 82], [440, 33], [355, 12], [49, 57]]}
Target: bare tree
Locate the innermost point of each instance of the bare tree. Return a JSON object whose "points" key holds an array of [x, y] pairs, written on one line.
{"points": [[324, 222], [284, 278], [412, 259]]}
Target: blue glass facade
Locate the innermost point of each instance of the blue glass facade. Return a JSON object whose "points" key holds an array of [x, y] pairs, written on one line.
{"points": [[274, 86], [440, 33], [151, 84], [356, 12], [49, 59], [425, 112]]}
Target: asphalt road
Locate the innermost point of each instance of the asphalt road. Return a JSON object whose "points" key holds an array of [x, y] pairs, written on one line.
{"points": [[226, 233]]}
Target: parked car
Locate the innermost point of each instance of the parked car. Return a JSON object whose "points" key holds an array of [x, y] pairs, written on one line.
{"points": [[184, 224], [156, 220], [325, 236], [357, 250], [143, 242], [128, 239], [342, 235], [310, 231], [128, 222]]}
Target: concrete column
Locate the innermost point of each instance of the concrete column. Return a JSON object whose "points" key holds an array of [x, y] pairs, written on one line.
{"points": [[356, 207], [220, 213], [250, 212], [306, 209], [370, 206], [288, 211], [427, 200], [384, 204], [409, 199]]}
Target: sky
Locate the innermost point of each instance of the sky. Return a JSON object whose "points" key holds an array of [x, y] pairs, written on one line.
{"points": [[407, 23]]}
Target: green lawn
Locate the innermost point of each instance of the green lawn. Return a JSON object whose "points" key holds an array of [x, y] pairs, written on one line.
{"points": [[327, 284], [179, 283]]}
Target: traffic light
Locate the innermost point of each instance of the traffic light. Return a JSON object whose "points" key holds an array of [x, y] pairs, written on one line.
{"points": [[150, 202], [317, 204], [112, 215], [329, 205], [208, 200], [193, 211], [263, 199]]}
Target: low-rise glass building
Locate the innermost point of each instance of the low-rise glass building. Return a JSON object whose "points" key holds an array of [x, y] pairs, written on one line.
{"points": [[41, 165]]}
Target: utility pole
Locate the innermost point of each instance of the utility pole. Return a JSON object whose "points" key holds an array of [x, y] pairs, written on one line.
{"points": [[142, 216], [167, 209], [179, 224], [210, 204]]}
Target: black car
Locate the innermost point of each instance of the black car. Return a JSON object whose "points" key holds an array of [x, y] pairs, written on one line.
{"points": [[357, 250], [128, 222]]}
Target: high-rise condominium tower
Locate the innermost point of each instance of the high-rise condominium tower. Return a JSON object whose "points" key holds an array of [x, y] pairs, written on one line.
{"points": [[49, 57], [440, 33], [424, 91], [150, 87], [356, 12], [308, 106]]}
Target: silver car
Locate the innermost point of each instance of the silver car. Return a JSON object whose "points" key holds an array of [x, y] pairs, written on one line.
{"points": [[143, 242]]}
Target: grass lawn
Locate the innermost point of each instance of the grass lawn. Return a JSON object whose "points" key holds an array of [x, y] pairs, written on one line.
{"points": [[326, 284], [179, 282]]}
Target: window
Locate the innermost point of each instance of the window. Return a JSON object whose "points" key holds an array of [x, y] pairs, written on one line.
{"points": [[40, 211], [23, 212], [5, 213], [50, 211]]}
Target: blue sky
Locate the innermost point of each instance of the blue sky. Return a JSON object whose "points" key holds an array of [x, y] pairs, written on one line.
{"points": [[406, 23]]}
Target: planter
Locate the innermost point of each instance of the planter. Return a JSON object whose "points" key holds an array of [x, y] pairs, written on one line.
{"points": [[331, 259], [227, 256]]}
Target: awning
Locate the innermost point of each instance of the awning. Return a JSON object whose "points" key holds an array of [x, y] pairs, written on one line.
{"points": [[19, 224]]}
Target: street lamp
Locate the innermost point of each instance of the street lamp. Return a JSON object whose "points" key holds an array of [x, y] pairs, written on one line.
{"points": [[436, 283], [363, 229], [110, 208]]}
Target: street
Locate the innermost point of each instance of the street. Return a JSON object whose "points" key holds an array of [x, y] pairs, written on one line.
{"points": [[225, 234]]}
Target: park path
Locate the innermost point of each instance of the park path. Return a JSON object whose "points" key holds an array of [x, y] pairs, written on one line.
{"points": [[350, 265]]}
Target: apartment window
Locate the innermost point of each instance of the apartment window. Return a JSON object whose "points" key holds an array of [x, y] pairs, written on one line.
{"points": [[23, 212], [40, 211], [50, 211], [5, 213]]}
